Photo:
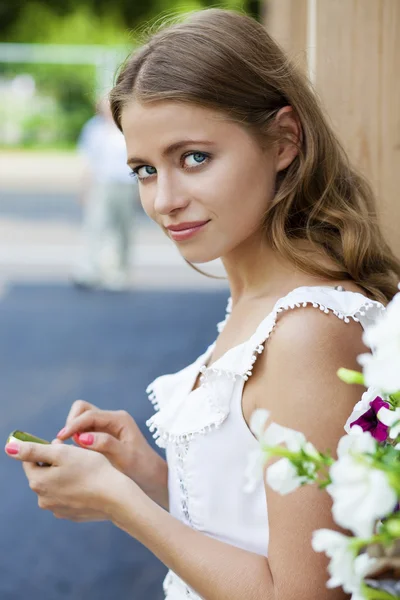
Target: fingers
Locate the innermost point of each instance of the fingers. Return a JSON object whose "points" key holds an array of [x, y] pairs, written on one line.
{"points": [[107, 421], [77, 408], [99, 442], [33, 453], [30, 470]]}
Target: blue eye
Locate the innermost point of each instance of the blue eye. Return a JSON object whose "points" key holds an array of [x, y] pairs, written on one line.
{"points": [[195, 159], [143, 172], [191, 160]]}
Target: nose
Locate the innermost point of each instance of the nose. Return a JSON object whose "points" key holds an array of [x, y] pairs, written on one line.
{"points": [[170, 196]]}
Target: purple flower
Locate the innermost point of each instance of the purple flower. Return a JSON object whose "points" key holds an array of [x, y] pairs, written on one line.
{"points": [[369, 420]]}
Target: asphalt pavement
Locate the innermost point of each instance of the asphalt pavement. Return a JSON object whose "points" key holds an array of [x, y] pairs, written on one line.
{"points": [[59, 344]]}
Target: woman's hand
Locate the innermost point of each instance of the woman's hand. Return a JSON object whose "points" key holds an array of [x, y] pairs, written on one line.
{"points": [[78, 485], [116, 435]]}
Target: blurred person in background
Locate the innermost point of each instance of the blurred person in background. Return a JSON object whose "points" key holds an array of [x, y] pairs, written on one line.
{"points": [[108, 197]]}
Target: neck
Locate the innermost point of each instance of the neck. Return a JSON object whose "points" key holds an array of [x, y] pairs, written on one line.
{"points": [[255, 270]]}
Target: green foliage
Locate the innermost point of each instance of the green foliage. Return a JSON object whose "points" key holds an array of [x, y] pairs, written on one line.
{"points": [[69, 91], [65, 99], [91, 21], [40, 24]]}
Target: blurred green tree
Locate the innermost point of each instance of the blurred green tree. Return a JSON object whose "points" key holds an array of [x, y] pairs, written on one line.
{"points": [[18, 17], [70, 90]]}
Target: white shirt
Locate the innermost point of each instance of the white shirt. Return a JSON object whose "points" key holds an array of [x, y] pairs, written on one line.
{"points": [[103, 147], [207, 439]]}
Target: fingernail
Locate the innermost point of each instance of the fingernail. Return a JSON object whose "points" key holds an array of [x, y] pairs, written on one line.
{"points": [[61, 433], [86, 438], [12, 448]]}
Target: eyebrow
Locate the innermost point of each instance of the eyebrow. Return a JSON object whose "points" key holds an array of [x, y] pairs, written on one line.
{"points": [[170, 150]]}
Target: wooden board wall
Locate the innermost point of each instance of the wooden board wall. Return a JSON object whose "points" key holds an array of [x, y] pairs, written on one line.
{"points": [[355, 56]]}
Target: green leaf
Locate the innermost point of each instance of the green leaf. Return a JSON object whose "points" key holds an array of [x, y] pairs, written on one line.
{"points": [[395, 398], [372, 594]]}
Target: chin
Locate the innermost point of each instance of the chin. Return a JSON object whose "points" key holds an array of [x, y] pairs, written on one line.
{"points": [[199, 256]]}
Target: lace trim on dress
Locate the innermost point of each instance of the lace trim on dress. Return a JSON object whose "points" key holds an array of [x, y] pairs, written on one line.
{"points": [[346, 306], [264, 335], [161, 432], [181, 451], [183, 418], [168, 424], [176, 589], [161, 428], [152, 397]]}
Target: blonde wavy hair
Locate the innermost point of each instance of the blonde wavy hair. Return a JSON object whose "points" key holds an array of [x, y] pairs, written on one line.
{"points": [[227, 61]]}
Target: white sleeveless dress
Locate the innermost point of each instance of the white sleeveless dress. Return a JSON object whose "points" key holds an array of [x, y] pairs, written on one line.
{"points": [[207, 440]]}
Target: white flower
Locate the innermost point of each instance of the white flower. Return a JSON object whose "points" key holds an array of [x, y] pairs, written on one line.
{"points": [[361, 493], [358, 596], [311, 450], [357, 442], [382, 368], [256, 459], [258, 421], [345, 569], [274, 434], [361, 407], [282, 477], [391, 418]]}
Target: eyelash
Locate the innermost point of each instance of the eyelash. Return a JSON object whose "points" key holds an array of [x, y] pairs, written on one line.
{"points": [[135, 171]]}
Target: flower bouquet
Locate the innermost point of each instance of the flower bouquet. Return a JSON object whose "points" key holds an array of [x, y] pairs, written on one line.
{"points": [[364, 480]]}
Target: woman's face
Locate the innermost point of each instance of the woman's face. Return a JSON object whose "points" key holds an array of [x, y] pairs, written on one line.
{"points": [[200, 173]]}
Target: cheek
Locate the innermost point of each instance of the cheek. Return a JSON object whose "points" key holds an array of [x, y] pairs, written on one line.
{"points": [[246, 198]]}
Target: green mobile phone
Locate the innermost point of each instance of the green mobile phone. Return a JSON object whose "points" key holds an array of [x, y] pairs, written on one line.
{"points": [[17, 435], [22, 436]]}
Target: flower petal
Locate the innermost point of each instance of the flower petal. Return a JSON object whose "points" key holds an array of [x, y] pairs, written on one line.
{"points": [[258, 421], [282, 477]]}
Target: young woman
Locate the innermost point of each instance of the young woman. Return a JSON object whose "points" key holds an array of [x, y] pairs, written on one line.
{"points": [[234, 160]]}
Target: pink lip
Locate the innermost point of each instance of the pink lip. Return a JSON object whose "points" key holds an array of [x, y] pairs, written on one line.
{"points": [[184, 231]]}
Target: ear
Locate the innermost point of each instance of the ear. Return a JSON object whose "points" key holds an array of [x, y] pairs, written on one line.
{"points": [[289, 128]]}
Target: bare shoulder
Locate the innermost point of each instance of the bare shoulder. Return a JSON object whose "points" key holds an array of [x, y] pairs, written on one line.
{"points": [[308, 329], [297, 381], [296, 378]]}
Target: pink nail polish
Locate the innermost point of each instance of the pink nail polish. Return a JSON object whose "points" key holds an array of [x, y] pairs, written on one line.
{"points": [[61, 433], [12, 448], [86, 438]]}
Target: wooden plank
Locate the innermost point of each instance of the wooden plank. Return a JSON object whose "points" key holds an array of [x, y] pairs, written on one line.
{"points": [[358, 62], [286, 21], [357, 78], [390, 121]]}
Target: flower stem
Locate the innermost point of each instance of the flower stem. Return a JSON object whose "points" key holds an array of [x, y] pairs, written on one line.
{"points": [[349, 376], [372, 594], [320, 460]]}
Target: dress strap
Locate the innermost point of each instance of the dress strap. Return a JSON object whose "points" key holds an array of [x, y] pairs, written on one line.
{"points": [[345, 305], [181, 420]]}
